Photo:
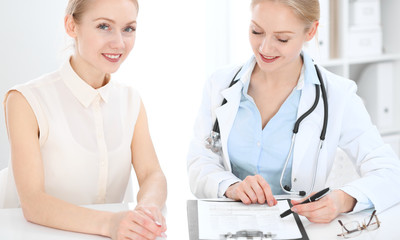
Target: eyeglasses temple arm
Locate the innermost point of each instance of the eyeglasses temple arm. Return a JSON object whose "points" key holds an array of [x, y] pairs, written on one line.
{"points": [[370, 219]]}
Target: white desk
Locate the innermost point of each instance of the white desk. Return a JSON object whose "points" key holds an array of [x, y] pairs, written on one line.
{"points": [[13, 226], [389, 229]]}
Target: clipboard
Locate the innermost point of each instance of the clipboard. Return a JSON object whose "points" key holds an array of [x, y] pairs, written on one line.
{"points": [[193, 221]]}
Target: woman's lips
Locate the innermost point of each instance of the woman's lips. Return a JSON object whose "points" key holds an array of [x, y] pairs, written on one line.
{"points": [[112, 57], [268, 59]]}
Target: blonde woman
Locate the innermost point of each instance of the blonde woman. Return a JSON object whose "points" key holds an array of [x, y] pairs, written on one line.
{"points": [[75, 133], [250, 153]]}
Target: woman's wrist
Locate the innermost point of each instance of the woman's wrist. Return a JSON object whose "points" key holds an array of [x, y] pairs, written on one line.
{"points": [[146, 203], [109, 224]]}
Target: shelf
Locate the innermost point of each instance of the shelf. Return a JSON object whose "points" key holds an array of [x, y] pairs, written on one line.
{"points": [[360, 60]]}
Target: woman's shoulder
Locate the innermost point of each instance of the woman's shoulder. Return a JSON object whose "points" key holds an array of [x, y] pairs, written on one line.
{"points": [[39, 82], [338, 83], [126, 91]]}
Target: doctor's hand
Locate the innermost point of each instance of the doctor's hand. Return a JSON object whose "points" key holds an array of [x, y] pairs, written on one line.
{"points": [[325, 209], [144, 223], [253, 189]]}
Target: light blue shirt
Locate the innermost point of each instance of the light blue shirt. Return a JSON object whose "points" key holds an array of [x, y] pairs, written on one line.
{"points": [[253, 150]]}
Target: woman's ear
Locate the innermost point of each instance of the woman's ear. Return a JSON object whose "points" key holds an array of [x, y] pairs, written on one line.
{"points": [[70, 25], [312, 31]]}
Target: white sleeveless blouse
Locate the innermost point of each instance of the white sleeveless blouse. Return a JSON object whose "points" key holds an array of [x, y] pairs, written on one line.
{"points": [[85, 135]]}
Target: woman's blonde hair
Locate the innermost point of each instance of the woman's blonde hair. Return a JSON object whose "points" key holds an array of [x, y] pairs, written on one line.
{"points": [[308, 10], [76, 8]]}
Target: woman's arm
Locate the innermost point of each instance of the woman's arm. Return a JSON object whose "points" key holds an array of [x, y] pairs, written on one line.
{"points": [[37, 206], [152, 182], [377, 164], [375, 161]]}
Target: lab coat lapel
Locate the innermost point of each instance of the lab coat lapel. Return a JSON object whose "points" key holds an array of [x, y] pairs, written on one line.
{"points": [[226, 116]]}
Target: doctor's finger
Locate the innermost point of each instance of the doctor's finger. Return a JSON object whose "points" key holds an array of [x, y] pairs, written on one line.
{"points": [[259, 193], [249, 192], [322, 215], [243, 196], [269, 197], [308, 207], [296, 202]]}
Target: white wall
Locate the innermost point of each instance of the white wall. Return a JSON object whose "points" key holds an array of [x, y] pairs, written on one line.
{"points": [[227, 26], [167, 66], [31, 40]]}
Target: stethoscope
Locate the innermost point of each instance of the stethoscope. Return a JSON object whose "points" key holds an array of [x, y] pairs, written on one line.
{"points": [[213, 142]]}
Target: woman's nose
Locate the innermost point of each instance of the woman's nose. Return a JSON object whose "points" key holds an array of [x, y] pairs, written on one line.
{"points": [[117, 41], [266, 46]]}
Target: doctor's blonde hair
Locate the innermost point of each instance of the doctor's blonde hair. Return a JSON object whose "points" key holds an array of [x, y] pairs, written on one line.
{"points": [[307, 10], [76, 8]]}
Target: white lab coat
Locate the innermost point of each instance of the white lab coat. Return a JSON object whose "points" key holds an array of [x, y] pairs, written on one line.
{"points": [[349, 128]]}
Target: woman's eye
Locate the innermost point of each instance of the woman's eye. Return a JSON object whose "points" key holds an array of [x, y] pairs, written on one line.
{"points": [[130, 29], [283, 40], [255, 32], [103, 26]]}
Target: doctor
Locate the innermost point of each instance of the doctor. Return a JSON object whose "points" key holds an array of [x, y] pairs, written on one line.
{"points": [[274, 88]]}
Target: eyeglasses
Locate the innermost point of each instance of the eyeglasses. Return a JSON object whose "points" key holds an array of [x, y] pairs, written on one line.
{"points": [[353, 229]]}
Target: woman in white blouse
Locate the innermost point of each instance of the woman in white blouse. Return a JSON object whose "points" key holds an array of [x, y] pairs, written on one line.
{"points": [[75, 134]]}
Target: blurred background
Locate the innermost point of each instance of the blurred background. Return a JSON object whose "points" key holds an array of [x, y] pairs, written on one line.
{"points": [[181, 42]]}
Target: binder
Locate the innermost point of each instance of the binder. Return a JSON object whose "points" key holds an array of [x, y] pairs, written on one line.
{"points": [[193, 222], [375, 87]]}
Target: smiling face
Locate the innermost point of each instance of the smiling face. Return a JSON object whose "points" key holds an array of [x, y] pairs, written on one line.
{"points": [[277, 36], [104, 35]]}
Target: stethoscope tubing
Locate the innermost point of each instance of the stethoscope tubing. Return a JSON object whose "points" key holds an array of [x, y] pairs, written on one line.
{"points": [[322, 136], [286, 163]]}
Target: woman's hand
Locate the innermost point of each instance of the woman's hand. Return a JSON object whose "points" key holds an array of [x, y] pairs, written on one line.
{"points": [[253, 189], [327, 208], [155, 214], [145, 222]]}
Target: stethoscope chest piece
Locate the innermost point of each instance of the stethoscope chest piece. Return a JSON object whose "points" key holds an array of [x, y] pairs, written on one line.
{"points": [[213, 142]]}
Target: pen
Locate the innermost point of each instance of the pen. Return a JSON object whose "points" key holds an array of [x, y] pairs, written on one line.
{"points": [[313, 198]]}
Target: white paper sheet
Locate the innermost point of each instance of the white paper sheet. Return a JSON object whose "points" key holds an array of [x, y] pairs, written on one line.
{"points": [[216, 218]]}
